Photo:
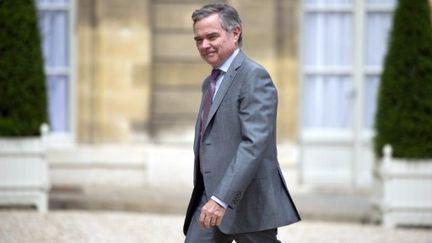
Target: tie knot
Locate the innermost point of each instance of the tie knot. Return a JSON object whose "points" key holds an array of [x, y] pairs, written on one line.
{"points": [[215, 73]]}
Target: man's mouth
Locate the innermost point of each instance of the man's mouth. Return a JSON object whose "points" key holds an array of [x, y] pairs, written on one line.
{"points": [[208, 54]]}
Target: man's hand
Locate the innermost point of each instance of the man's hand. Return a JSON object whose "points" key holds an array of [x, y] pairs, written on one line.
{"points": [[211, 214]]}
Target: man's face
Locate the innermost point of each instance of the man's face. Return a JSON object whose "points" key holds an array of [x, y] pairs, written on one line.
{"points": [[214, 43]]}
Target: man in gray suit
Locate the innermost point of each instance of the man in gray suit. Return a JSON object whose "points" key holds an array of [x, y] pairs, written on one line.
{"points": [[239, 191]]}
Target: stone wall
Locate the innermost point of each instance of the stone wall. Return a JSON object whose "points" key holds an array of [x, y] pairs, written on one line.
{"points": [[114, 60], [139, 74], [178, 70]]}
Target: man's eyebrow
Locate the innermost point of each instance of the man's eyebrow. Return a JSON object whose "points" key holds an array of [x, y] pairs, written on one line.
{"points": [[206, 36]]}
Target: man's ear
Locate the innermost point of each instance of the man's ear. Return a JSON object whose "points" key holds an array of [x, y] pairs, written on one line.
{"points": [[236, 32]]}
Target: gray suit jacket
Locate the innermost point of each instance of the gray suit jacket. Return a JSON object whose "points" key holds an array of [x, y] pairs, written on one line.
{"points": [[238, 154]]}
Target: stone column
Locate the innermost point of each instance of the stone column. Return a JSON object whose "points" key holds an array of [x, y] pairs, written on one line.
{"points": [[288, 66], [269, 37], [114, 59]]}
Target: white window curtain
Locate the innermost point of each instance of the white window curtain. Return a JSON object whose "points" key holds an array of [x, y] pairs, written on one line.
{"points": [[326, 2], [54, 26], [327, 54], [378, 23], [327, 61]]}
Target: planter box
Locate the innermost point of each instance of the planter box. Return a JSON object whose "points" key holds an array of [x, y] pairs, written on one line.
{"points": [[406, 196], [24, 171]]}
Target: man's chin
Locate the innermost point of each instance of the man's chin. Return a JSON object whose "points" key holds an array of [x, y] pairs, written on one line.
{"points": [[212, 61]]}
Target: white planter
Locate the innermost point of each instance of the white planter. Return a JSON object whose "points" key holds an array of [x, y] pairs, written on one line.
{"points": [[406, 196], [24, 171]]}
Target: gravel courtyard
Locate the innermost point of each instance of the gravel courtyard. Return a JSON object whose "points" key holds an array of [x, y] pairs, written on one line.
{"points": [[117, 227]]}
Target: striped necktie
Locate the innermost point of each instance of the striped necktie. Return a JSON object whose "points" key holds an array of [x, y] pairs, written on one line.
{"points": [[209, 97]]}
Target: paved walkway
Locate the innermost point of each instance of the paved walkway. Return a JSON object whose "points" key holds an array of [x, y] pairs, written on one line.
{"points": [[118, 227]]}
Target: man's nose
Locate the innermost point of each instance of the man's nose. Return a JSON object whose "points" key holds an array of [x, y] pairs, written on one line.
{"points": [[205, 43]]}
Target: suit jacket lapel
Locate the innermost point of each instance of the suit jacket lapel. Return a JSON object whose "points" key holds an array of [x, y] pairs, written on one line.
{"points": [[198, 120], [226, 83]]}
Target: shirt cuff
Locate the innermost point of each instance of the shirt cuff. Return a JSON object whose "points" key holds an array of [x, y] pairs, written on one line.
{"points": [[224, 205]]}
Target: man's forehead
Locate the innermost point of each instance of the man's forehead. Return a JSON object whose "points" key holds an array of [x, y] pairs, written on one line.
{"points": [[211, 19], [206, 29], [207, 33]]}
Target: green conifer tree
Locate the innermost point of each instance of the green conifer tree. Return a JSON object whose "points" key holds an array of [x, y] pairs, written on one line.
{"points": [[404, 112], [23, 105]]}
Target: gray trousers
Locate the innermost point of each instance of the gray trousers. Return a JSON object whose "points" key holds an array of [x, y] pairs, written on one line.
{"points": [[213, 235]]}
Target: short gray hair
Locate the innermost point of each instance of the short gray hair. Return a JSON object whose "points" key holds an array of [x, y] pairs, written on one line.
{"points": [[228, 16]]}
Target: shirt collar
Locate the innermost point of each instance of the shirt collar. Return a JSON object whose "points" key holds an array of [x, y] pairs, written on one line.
{"points": [[224, 67]]}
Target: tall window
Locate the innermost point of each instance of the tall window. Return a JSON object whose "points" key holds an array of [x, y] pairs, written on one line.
{"points": [[377, 26], [329, 55], [54, 24]]}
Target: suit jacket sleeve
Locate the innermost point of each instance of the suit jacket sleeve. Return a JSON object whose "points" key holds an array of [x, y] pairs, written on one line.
{"points": [[257, 115]]}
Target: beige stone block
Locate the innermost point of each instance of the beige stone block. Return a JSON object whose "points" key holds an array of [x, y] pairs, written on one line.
{"points": [[111, 99], [180, 74], [120, 11], [116, 109], [174, 16], [181, 101], [141, 75], [99, 130], [176, 2], [181, 131], [258, 18], [86, 13], [261, 48], [132, 104], [85, 80], [288, 30], [142, 88], [115, 75], [129, 43], [175, 46], [288, 88], [288, 61], [114, 130]]}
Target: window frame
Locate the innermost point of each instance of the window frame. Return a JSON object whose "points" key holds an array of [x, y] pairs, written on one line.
{"points": [[359, 9], [65, 138], [357, 138]]}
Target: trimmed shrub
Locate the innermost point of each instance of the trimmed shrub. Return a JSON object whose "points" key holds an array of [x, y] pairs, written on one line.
{"points": [[404, 112], [23, 105]]}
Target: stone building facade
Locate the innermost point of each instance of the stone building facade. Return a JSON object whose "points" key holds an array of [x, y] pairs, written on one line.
{"points": [[139, 75], [136, 76]]}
